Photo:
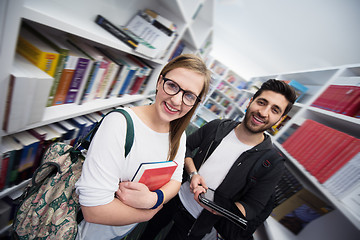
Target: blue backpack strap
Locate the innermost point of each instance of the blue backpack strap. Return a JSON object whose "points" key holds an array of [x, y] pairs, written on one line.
{"points": [[85, 142]]}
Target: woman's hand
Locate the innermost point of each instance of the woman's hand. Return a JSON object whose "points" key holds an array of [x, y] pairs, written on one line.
{"points": [[136, 195]]}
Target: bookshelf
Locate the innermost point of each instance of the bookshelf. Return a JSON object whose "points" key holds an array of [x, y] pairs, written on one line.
{"points": [[77, 18], [342, 221], [225, 97]]}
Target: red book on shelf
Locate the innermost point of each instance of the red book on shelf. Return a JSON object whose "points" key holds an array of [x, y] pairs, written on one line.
{"points": [[333, 147], [291, 143], [352, 94], [306, 140], [353, 108], [339, 161], [155, 174], [319, 136]]}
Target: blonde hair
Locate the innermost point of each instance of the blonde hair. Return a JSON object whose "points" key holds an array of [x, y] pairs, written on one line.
{"points": [[178, 126]]}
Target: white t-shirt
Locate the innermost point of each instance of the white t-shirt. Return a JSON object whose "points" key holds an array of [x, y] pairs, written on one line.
{"points": [[106, 165], [214, 170]]}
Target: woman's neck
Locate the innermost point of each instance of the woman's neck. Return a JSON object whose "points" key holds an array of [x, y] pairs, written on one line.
{"points": [[148, 115]]}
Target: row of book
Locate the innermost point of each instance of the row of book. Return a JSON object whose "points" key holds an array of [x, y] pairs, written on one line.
{"points": [[320, 149], [342, 99], [22, 152], [82, 72]]}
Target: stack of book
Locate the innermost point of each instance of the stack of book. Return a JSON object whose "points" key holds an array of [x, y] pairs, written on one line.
{"points": [[320, 149], [342, 99], [147, 32], [27, 95]]}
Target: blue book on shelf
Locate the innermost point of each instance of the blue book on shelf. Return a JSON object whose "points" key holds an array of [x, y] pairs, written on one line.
{"points": [[299, 88]]}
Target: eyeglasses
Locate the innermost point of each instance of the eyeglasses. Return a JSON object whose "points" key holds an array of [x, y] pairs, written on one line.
{"points": [[172, 88]]}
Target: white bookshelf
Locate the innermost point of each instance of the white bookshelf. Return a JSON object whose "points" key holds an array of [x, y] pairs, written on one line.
{"points": [[78, 18], [343, 222]]}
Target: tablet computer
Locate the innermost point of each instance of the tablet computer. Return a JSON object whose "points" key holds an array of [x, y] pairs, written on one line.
{"points": [[208, 200]]}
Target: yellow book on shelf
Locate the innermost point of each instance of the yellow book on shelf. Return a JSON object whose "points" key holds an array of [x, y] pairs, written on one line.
{"points": [[37, 52]]}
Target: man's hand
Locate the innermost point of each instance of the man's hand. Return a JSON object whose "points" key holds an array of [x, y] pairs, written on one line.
{"points": [[197, 192], [196, 181]]}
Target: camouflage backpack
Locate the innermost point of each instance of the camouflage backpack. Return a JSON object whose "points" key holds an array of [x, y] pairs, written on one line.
{"points": [[50, 205]]}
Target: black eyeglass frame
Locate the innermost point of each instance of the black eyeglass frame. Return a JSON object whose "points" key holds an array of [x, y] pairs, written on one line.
{"points": [[180, 89]]}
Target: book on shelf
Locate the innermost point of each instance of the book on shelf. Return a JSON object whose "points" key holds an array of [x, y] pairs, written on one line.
{"points": [[144, 73], [126, 76], [30, 146], [108, 78], [51, 136], [98, 71], [154, 29], [352, 199], [49, 37], [342, 99], [71, 131], [299, 88], [345, 179], [335, 145], [40, 134], [122, 73], [299, 210], [155, 174], [339, 161], [13, 150], [287, 186], [43, 83], [118, 33], [158, 21], [36, 51], [82, 71], [76, 70], [178, 49], [126, 36], [18, 100]]}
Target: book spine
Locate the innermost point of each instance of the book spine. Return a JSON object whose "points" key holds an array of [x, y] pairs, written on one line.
{"points": [[65, 80], [4, 169], [59, 68], [78, 77], [121, 35], [9, 96], [90, 82], [127, 82]]}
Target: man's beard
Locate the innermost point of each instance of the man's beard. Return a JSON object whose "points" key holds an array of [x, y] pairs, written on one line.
{"points": [[250, 128]]}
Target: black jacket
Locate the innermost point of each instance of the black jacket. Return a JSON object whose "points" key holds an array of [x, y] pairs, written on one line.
{"points": [[203, 142]]}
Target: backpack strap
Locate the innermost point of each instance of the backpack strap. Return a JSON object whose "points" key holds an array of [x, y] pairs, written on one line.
{"points": [[85, 141]]}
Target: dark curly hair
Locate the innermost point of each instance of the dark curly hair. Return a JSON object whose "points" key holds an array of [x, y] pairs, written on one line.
{"points": [[281, 87]]}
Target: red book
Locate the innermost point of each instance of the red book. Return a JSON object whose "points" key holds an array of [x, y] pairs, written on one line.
{"points": [[339, 161], [352, 94], [333, 147], [306, 140], [320, 137], [292, 142], [155, 174], [353, 108]]}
